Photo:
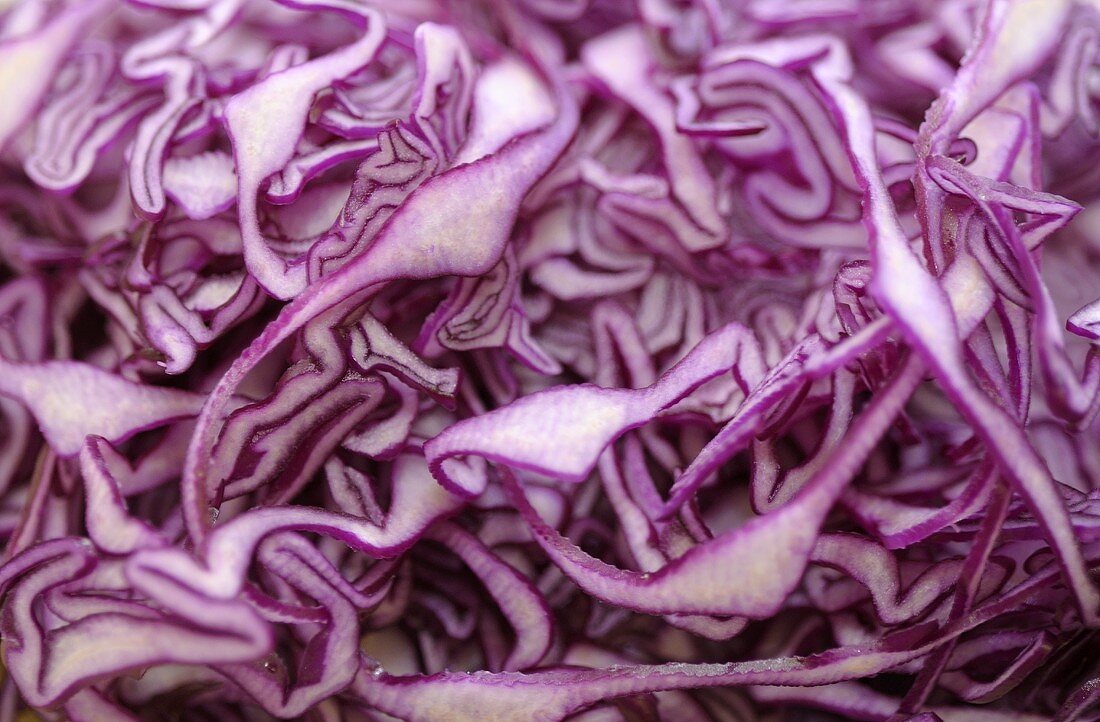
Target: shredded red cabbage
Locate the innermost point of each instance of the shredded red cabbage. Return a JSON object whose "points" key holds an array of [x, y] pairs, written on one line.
{"points": [[545, 360]]}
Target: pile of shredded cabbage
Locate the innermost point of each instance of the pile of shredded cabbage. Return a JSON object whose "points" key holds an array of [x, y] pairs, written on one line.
{"points": [[543, 360]]}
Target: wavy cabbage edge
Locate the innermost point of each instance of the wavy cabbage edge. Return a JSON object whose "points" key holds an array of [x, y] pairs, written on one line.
{"points": [[550, 360]]}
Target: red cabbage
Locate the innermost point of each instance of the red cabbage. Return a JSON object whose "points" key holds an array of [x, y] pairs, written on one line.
{"points": [[550, 360]]}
